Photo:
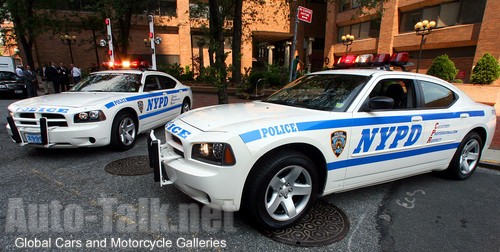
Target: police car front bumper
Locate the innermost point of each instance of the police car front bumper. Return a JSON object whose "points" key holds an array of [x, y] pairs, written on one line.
{"points": [[217, 187], [39, 134]]}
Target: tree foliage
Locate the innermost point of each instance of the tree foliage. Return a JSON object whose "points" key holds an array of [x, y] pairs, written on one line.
{"points": [[442, 67], [486, 71]]}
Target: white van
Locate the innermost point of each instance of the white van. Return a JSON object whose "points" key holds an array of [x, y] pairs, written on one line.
{"points": [[9, 64]]}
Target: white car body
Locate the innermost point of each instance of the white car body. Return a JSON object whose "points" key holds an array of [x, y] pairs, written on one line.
{"points": [[351, 149], [149, 110]]}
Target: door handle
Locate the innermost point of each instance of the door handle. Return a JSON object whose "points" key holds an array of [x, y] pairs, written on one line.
{"points": [[415, 119], [464, 115]]}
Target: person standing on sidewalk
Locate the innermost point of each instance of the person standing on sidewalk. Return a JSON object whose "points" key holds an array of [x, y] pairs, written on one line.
{"points": [[30, 81], [76, 73], [63, 73], [52, 77]]}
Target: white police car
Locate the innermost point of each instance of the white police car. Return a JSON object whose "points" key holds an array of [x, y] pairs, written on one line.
{"points": [[107, 107], [324, 133]]}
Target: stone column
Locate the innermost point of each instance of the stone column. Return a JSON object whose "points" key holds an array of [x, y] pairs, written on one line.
{"points": [[270, 54], [287, 54]]}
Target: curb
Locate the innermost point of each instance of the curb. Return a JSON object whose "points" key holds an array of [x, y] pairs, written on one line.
{"points": [[490, 164]]}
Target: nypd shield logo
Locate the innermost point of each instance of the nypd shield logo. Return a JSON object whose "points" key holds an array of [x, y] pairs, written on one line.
{"points": [[338, 142], [140, 105]]}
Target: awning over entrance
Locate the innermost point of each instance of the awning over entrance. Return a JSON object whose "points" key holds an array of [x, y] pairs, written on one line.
{"points": [[266, 36]]}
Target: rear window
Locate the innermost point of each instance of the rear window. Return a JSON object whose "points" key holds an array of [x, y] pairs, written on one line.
{"points": [[437, 96]]}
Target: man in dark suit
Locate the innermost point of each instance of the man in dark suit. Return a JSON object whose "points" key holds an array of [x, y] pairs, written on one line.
{"points": [[52, 77], [63, 77], [29, 81]]}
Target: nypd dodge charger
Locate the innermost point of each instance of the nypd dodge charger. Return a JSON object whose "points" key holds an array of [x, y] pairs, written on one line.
{"points": [[324, 133], [107, 107]]}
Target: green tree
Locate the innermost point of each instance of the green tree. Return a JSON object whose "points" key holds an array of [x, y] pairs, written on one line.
{"points": [[486, 71], [442, 67], [26, 23]]}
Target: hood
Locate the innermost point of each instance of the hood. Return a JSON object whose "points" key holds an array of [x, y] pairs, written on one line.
{"points": [[239, 117], [70, 99]]}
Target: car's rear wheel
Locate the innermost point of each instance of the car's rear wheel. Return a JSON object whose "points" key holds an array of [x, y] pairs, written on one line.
{"points": [[281, 190], [123, 131], [466, 158], [185, 106]]}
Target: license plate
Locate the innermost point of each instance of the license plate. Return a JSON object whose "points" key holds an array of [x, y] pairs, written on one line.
{"points": [[34, 138], [18, 91]]}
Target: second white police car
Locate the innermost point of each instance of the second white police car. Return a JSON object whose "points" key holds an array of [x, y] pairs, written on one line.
{"points": [[107, 107], [324, 133]]}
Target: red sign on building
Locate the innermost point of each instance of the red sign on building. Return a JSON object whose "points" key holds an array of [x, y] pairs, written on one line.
{"points": [[304, 14]]}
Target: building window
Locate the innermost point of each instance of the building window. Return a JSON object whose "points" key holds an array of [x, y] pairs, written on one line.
{"points": [[199, 10], [163, 7], [346, 5], [446, 14], [370, 29]]}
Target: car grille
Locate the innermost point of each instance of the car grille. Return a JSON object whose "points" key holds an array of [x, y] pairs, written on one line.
{"points": [[178, 146], [31, 119]]}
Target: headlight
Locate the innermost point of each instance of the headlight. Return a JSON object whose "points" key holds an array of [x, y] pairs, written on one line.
{"points": [[214, 153], [90, 116]]}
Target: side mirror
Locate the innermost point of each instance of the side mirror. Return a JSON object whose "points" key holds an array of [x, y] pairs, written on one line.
{"points": [[379, 102]]}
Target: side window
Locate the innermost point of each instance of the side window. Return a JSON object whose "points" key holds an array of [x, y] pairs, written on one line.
{"points": [[151, 83], [402, 91], [167, 82], [436, 96]]}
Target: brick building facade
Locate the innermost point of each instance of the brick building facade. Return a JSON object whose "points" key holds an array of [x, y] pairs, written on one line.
{"points": [[466, 29]]}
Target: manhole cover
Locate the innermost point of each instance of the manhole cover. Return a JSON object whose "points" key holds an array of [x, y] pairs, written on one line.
{"points": [[324, 224], [131, 166]]}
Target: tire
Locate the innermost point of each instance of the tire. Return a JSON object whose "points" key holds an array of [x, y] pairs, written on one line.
{"points": [[123, 131], [466, 158], [281, 190], [185, 106]]}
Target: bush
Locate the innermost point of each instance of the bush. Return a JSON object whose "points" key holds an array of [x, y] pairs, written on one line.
{"points": [[486, 71], [188, 75], [208, 75], [442, 67], [173, 69], [275, 76]]}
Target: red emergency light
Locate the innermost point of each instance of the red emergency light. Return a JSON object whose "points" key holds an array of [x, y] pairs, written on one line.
{"points": [[346, 61], [135, 64], [400, 59], [106, 21]]}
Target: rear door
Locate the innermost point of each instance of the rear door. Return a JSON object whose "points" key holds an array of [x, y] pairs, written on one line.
{"points": [[445, 124]]}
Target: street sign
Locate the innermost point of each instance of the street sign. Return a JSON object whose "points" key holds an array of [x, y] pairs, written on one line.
{"points": [[304, 14]]}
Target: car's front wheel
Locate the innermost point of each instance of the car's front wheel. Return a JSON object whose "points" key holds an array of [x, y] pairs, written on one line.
{"points": [[281, 190], [123, 131], [466, 158]]}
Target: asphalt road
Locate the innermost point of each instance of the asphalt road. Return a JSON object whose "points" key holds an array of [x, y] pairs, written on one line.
{"points": [[68, 197]]}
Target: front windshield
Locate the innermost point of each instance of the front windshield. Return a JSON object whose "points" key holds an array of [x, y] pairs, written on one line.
{"points": [[328, 92], [109, 82]]}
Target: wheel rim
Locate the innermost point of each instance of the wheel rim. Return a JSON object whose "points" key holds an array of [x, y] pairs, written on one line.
{"points": [[288, 193], [185, 107], [127, 131], [469, 156]]}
